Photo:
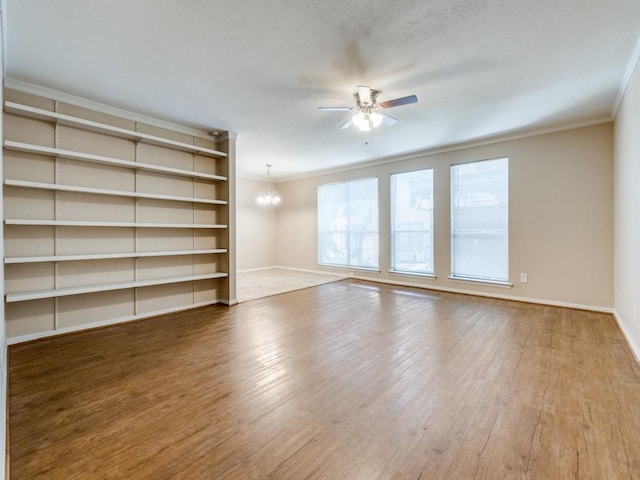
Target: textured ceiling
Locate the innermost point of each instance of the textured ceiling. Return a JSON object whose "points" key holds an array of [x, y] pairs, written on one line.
{"points": [[480, 68]]}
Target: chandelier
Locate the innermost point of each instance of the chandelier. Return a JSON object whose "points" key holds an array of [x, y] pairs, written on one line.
{"points": [[268, 197]]}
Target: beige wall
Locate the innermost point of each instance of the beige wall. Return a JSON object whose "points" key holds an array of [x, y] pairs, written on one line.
{"points": [[560, 215], [627, 212], [255, 227]]}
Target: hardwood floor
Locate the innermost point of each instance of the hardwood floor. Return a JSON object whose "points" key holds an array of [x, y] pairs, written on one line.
{"points": [[349, 380]]}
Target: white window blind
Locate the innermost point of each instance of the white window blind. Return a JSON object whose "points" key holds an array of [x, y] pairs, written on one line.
{"points": [[412, 222], [348, 223], [480, 220]]}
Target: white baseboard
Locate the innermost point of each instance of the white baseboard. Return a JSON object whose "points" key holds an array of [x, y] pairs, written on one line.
{"points": [[321, 272], [281, 267], [248, 270], [627, 335], [552, 303], [229, 303], [104, 323]]}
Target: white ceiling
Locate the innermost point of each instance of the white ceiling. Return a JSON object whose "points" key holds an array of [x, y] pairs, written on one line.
{"points": [[480, 68]]}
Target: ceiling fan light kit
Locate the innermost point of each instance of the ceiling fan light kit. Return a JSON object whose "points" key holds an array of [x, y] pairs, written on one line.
{"points": [[367, 113], [367, 121]]}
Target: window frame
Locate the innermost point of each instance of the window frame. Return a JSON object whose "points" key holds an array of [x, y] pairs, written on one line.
{"points": [[488, 279], [393, 230], [348, 233]]}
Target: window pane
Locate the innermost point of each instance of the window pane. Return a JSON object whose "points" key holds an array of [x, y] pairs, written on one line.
{"points": [[480, 220], [412, 222], [348, 223]]}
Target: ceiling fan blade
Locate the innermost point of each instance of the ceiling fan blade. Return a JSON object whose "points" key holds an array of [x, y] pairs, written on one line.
{"points": [[335, 109], [388, 119], [364, 93], [399, 101], [346, 124]]}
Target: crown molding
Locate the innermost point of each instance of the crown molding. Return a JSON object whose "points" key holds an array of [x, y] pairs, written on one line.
{"points": [[436, 150], [626, 79]]}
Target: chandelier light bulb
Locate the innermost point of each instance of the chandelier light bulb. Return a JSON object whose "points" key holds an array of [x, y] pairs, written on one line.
{"points": [[262, 198]]}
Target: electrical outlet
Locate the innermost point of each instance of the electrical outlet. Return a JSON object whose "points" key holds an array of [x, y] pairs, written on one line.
{"points": [[524, 278]]}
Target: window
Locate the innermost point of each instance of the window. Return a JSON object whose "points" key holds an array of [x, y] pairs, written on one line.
{"points": [[412, 222], [480, 220], [348, 223]]}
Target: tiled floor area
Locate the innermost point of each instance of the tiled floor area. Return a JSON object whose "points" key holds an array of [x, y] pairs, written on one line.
{"points": [[273, 281]]}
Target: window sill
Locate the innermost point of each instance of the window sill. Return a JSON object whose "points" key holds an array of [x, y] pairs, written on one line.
{"points": [[489, 283], [430, 276]]}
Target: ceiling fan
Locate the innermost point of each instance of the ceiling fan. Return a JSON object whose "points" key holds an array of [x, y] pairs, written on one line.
{"points": [[367, 112]]}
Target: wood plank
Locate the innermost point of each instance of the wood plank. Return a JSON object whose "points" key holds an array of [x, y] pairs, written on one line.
{"points": [[345, 380]]}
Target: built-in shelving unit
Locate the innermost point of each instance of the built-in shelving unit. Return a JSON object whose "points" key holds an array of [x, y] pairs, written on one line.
{"points": [[108, 218]]}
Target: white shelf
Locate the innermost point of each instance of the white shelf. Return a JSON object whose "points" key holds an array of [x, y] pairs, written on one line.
{"points": [[103, 191], [90, 125], [105, 256], [63, 292], [82, 223], [88, 157]]}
